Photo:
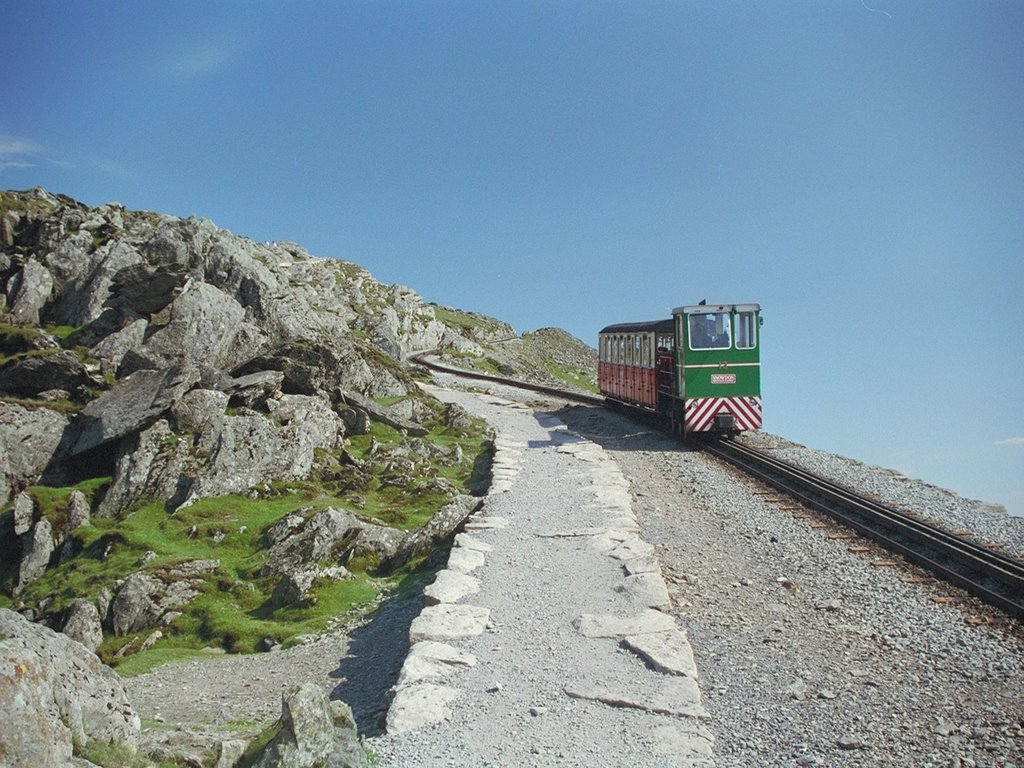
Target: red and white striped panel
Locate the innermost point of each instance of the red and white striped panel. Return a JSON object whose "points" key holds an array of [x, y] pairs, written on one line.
{"points": [[701, 411]]}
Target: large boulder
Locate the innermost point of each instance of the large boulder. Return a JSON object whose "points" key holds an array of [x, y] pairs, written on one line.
{"points": [[146, 598], [225, 453], [82, 623], [28, 440], [145, 289], [37, 550], [112, 348], [321, 369], [56, 696], [315, 733], [28, 376], [28, 292], [205, 325], [134, 404]]}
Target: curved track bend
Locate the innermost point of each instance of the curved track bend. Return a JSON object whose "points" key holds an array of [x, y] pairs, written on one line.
{"points": [[993, 576]]}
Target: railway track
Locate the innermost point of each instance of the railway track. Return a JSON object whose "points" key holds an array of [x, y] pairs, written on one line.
{"points": [[996, 578]]}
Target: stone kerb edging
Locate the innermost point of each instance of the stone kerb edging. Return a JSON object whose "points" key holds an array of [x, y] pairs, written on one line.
{"points": [[420, 700]]}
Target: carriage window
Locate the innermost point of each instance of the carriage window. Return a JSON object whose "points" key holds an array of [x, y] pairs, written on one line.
{"points": [[666, 343], [746, 333], [709, 330]]}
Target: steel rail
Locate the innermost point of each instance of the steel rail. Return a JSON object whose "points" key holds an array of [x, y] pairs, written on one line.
{"points": [[952, 557], [420, 358], [993, 576]]}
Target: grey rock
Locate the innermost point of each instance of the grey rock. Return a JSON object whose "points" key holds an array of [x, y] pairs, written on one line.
{"points": [[24, 513], [255, 389], [293, 588], [198, 409], [134, 404], [229, 752], [205, 325], [146, 289], [62, 698], [82, 623], [144, 598], [315, 733], [155, 464], [383, 415], [111, 349], [440, 528], [78, 512], [29, 376], [37, 550], [28, 293]]}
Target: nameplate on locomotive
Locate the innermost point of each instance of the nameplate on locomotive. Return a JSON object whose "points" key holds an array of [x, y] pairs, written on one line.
{"points": [[723, 378]]}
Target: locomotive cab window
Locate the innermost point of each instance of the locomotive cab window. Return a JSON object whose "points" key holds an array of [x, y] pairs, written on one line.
{"points": [[746, 330], [709, 330]]}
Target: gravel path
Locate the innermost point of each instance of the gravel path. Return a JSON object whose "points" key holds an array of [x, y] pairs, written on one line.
{"points": [[806, 654]]}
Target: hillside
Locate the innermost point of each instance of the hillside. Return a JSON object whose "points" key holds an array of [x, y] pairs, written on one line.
{"points": [[210, 442]]}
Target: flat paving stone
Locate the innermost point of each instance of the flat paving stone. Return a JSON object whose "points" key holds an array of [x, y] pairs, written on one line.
{"points": [[448, 622], [668, 652], [591, 625], [449, 587], [420, 705]]}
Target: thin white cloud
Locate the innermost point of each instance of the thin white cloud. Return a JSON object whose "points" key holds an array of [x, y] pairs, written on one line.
{"points": [[16, 152], [1010, 441], [205, 58]]}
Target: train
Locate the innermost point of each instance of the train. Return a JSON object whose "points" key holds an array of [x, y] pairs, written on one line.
{"points": [[698, 372]]}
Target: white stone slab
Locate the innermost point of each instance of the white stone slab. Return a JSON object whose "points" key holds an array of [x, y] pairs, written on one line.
{"points": [[605, 625], [485, 523], [465, 560], [419, 705], [430, 659], [676, 696], [669, 652], [448, 622], [450, 587], [468, 542], [645, 564], [646, 589]]}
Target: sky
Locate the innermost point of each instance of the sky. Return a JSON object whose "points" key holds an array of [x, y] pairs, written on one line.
{"points": [[854, 166]]}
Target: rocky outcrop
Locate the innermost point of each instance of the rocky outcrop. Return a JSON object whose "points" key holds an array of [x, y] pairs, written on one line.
{"points": [[148, 598], [194, 363], [314, 733], [55, 697]]}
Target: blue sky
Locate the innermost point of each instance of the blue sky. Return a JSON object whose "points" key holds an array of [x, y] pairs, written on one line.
{"points": [[856, 166]]}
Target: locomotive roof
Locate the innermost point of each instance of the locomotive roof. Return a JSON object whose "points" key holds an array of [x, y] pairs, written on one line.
{"points": [[651, 326], [700, 309]]}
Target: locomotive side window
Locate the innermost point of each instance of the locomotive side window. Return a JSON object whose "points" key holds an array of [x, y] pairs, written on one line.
{"points": [[746, 331], [709, 330]]}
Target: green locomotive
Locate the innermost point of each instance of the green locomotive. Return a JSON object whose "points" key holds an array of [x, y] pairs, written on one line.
{"points": [[701, 370]]}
